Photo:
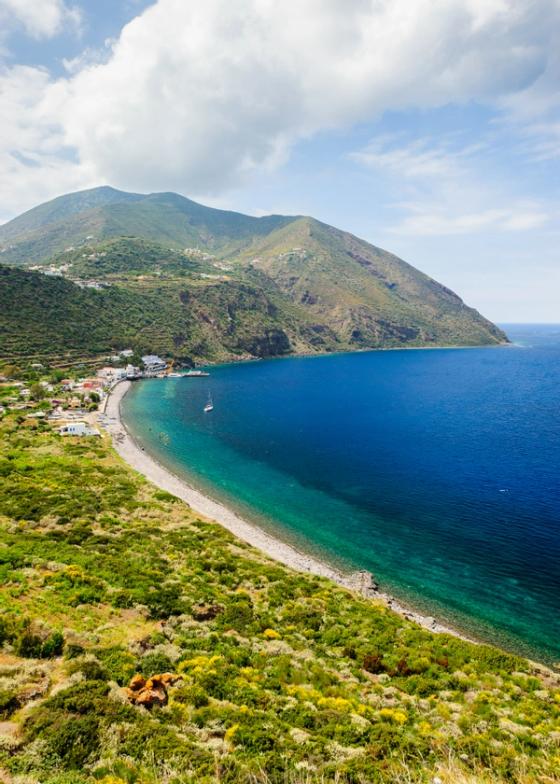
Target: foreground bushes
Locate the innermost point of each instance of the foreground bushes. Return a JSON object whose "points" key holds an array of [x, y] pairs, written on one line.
{"points": [[30, 640], [283, 677]]}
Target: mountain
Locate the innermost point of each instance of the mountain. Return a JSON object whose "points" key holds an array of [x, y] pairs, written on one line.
{"points": [[60, 209], [104, 212], [188, 280]]}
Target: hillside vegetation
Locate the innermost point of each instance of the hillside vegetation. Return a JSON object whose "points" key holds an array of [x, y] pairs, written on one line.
{"points": [[42, 316], [302, 286], [272, 676]]}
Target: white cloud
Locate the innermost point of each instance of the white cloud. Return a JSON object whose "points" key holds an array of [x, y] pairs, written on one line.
{"points": [[419, 158], [40, 18], [543, 140], [452, 189], [196, 96], [436, 220], [34, 163]]}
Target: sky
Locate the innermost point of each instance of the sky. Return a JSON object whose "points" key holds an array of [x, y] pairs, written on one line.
{"points": [[430, 128]]}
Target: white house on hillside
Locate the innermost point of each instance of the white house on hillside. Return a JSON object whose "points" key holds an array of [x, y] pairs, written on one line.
{"points": [[78, 429]]}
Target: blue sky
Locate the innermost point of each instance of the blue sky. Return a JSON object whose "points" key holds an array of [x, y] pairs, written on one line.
{"points": [[428, 127]]}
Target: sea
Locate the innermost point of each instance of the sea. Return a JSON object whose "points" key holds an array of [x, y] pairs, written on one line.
{"points": [[436, 470]]}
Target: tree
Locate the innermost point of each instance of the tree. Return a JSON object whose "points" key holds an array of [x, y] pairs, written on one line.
{"points": [[37, 391], [10, 371]]}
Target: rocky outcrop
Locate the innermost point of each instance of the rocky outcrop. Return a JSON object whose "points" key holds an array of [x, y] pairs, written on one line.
{"points": [[362, 582], [151, 691]]}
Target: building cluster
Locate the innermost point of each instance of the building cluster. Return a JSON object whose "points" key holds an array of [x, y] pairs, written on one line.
{"points": [[62, 270], [73, 401]]}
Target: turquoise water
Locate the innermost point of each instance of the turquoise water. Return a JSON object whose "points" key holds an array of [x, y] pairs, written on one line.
{"points": [[436, 470]]}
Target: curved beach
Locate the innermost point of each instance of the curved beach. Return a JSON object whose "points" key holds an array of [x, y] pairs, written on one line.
{"points": [[276, 549]]}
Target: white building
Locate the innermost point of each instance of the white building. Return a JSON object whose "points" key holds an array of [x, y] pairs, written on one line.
{"points": [[111, 374], [132, 372], [154, 364], [127, 352], [78, 429]]}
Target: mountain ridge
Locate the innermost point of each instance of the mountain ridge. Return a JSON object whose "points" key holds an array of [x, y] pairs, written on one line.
{"points": [[104, 209], [325, 289]]}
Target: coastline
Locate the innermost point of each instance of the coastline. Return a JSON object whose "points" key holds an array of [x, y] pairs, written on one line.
{"points": [[136, 457], [234, 360]]}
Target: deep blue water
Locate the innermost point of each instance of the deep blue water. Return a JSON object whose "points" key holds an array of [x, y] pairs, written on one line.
{"points": [[437, 470]]}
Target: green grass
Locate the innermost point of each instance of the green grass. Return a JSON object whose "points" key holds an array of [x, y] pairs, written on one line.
{"points": [[288, 679]]}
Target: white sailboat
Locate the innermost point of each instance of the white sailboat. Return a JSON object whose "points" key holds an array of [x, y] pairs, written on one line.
{"points": [[209, 405]]}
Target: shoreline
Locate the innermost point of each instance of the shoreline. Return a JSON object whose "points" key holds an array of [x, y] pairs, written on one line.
{"points": [[361, 582], [370, 349]]}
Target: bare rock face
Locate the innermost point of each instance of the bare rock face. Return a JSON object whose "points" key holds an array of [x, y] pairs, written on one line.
{"points": [[137, 682], [151, 691]]}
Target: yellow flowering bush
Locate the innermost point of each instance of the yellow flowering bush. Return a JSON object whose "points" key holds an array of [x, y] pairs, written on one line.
{"points": [[391, 714]]}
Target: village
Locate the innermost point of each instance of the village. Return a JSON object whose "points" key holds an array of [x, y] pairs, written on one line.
{"points": [[74, 405]]}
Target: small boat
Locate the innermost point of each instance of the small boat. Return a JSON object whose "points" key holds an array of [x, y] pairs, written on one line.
{"points": [[196, 374], [173, 375], [209, 405]]}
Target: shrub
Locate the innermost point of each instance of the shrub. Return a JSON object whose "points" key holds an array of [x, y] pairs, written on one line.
{"points": [[118, 663], [154, 663], [8, 703], [165, 601], [255, 737], [80, 698], [373, 662], [123, 599], [28, 645], [32, 645], [163, 495], [238, 614], [68, 724], [73, 650], [74, 740], [402, 668], [191, 695], [53, 646], [90, 669]]}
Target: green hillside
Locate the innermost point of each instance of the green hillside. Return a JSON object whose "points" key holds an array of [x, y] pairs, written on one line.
{"points": [[273, 677], [60, 209], [314, 287], [44, 316], [104, 212], [369, 297]]}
